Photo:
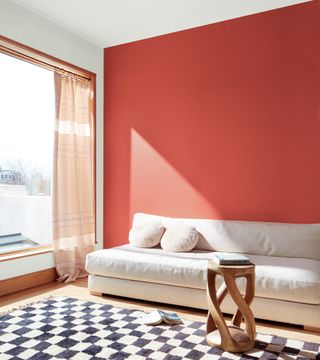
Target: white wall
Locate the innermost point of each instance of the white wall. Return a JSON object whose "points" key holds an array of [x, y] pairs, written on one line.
{"points": [[28, 28], [28, 264]]}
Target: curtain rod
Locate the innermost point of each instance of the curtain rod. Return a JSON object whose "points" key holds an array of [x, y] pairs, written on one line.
{"points": [[41, 63]]}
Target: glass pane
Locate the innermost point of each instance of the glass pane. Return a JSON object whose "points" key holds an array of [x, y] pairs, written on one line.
{"points": [[26, 152]]}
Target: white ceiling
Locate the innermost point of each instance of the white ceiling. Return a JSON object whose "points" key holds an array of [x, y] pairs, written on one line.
{"points": [[113, 22]]}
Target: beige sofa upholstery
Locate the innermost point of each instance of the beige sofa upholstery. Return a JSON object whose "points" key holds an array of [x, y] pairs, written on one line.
{"points": [[286, 257]]}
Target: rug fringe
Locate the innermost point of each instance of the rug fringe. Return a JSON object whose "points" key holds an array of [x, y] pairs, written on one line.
{"points": [[30, 303]]}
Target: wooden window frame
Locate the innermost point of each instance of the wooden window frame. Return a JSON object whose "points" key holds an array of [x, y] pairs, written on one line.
{"points": [[26, 53], [18, 254]]}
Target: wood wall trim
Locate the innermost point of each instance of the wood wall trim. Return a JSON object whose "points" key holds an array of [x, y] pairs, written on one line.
{"points": [[27, 281], [312, 329]]}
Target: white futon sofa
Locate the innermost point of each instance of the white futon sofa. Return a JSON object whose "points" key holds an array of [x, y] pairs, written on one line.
{"points": [[287, 258]]}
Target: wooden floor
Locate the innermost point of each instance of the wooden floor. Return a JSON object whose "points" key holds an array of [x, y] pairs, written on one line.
{"points": [[78, 289]]}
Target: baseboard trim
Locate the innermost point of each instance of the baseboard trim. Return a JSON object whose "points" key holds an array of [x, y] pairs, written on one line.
{"points": [[27, 281], [312, 329]]}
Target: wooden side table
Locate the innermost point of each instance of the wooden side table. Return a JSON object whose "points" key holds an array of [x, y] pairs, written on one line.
{"points": [[230, 338]]}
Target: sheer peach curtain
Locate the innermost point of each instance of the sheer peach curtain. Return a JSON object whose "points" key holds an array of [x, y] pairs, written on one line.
{"points": [[73, 177]]}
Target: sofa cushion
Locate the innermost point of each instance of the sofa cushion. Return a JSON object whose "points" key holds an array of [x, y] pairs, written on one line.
{"points": [[290, 279], [146, 234], [179, 238], [251, 237]]}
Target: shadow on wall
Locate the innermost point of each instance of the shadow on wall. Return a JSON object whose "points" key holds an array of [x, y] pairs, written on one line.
{"points": [[156, 187]]}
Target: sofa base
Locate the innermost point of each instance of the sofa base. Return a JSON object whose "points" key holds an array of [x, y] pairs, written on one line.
{"points": [[268, 309]]}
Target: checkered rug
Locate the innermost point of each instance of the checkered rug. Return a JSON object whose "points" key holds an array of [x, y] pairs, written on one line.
{"points": [[66, 328]]}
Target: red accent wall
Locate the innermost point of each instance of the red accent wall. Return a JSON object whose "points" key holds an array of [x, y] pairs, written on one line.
{"points": [[220, 121]]}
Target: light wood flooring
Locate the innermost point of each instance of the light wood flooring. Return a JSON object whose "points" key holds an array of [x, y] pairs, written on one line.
{"points": [[78, 289]]}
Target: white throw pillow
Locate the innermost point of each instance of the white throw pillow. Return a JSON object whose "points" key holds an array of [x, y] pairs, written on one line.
{"points": [[179, 237], [147, 234]]}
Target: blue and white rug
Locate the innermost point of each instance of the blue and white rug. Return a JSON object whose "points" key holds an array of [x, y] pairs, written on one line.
{"points": [[67, 328]]}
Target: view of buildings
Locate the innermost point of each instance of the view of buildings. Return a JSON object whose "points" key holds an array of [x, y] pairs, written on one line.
{"points": [[11, 177], [34, 183]]}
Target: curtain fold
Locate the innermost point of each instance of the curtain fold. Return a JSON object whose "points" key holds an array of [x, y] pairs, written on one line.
{"points": [[73, 191]]}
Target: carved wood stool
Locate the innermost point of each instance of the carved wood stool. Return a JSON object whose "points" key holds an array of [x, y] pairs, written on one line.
{"points": [[230, 338]]}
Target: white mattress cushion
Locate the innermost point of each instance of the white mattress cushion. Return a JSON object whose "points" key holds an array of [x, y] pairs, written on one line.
{"points": [[251, 237], [291, 279]]}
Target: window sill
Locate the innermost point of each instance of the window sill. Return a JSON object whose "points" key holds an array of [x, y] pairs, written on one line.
{"points": [[26, 253]]}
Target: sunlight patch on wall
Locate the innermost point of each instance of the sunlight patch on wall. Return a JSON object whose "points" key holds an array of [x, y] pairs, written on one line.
{"points": [[156, 187]]}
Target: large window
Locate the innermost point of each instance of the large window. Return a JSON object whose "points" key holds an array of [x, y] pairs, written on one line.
{"points": [[26, 153], [47, 157]]}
